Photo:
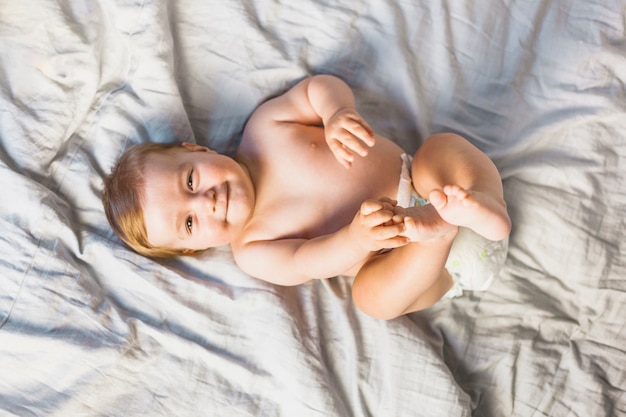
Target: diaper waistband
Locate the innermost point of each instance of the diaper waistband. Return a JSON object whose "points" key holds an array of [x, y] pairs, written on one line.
{"points": [[407, 196]]}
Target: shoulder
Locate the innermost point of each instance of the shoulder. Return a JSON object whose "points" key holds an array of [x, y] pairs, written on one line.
{"points": [[292, 106]]}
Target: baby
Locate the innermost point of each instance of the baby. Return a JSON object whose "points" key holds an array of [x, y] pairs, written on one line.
{"points": [[313, 193]]}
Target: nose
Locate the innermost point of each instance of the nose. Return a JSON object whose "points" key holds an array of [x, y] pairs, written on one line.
{"points": [[205, 202]]}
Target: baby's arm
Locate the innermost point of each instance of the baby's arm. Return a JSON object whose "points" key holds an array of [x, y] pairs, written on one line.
{"points": [[294, 261], [346, 132], [320, 100]]}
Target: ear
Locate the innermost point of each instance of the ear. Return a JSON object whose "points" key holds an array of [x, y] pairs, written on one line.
{"points": [[194, 147]]}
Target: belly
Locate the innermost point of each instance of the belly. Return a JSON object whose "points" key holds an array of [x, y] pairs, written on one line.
{"points": [[318, 196]]}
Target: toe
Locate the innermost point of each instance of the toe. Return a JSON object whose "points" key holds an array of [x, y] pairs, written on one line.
{"points": [[438, 199]]}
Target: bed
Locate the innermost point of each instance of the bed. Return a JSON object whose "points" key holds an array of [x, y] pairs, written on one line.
{"points": [[89, 328]]}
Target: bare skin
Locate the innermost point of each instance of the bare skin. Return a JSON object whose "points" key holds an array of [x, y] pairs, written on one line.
{"points": [[479, 211], [456, 206], [322, 201], [464, 189]]}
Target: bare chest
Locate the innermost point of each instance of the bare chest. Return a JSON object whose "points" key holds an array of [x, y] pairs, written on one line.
{"points": [[303, 192]]}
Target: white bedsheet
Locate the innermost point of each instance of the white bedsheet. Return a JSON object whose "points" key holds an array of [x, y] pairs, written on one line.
{"points": [[89, 328]]}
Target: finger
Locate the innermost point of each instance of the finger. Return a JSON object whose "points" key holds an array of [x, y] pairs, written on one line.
{"points": [[362, 131], [409, 222], [350, 114], [370, 206], [388, 204], [351, 142], [389, 200], [378, 218], [394, 242], [398, 218], [367, 127], [359, 124], [342, 155], [388, 232]]}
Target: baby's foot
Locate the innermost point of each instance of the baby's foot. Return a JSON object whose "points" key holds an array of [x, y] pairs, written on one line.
{"points": [[422, 223], [479, 211]]}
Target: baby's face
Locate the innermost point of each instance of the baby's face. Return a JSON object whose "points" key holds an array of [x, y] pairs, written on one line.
{"points": [[195, 198]]}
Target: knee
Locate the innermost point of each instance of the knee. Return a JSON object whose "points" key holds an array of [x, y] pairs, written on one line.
{"points": [[432, 162], [438, 144], [444, 138], [372, 303], [447, 158]]}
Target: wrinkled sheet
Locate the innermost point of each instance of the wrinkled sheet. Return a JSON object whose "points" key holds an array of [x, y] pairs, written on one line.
{"points": [[89, 328]]}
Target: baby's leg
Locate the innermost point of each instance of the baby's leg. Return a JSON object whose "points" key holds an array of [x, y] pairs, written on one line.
{"points": [[406, 279], [462, 184]]}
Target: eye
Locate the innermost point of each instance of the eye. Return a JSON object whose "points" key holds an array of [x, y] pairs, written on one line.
{"points": [[189, 224], [190, 180]]}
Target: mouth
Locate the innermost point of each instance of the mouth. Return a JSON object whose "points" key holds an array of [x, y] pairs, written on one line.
{"points": [[226, 200]]}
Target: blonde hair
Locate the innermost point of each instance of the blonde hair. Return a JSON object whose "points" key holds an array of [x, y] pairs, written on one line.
{"points": [[123, 199]]}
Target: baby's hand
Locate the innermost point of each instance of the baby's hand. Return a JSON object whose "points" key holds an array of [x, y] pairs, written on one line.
{"points": [[374, 228], [346, 134]]}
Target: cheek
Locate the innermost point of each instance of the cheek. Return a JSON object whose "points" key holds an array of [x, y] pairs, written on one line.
{"points": [[213, 234]]}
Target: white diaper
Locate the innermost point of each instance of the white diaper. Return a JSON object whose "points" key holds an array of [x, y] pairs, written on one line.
{"points": [[474, 261]]}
